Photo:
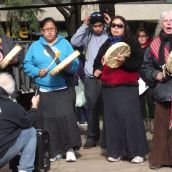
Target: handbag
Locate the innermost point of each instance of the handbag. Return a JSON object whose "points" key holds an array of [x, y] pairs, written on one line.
{"points": [[80, 94], [163, 91]]}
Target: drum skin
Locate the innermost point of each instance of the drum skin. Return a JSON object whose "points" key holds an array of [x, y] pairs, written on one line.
{"points": [[120, 48]]}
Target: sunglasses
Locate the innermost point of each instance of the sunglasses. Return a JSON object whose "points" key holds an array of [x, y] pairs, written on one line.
{"points": [[119, 26]]}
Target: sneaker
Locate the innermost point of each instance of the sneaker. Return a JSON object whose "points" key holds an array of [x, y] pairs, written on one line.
{"points": [[111, 159], [137, 160], [82, 124], [89, 144], [57, 157], [70, 156]]}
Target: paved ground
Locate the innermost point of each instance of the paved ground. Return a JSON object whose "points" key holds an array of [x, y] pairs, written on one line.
{"points": [[92, 160]]}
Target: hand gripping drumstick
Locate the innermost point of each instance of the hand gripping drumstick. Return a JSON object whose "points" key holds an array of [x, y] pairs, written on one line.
{"points": [[64, 63], [57, 54]]}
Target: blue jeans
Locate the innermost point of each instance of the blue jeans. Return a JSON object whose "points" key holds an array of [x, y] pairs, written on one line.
{"points": [[25, 145]]}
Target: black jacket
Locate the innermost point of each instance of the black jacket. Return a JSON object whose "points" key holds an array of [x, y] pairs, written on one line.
{"points": [[131, 64], [150, 68], [13, 119]]}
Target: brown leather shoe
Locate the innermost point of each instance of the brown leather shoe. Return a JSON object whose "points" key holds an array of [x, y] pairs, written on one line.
{"points": [[89, 144]]}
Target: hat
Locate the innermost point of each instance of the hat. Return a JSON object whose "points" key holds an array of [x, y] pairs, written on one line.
{"points": [[96, 17]]}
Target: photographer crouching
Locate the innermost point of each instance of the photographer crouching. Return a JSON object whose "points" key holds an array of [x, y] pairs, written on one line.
{"points": [[16, 132]]}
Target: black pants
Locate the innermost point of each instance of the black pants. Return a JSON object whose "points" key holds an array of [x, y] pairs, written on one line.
{"points": [[93, 93], [147, 104]]}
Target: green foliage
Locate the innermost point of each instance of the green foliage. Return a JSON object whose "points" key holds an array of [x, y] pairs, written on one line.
{"points": [[15, 17]]}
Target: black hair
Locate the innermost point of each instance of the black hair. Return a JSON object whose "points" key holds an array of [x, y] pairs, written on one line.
{"points": [[127, 32], [46, 20], [141, 29]]}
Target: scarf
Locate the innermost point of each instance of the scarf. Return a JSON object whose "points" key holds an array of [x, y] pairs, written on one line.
{"points": [[161, 47], [147, 43], [165, 39], [115, 39]]}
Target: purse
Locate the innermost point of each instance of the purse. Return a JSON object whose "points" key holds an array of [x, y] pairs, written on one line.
{"points": [[163, 91]]}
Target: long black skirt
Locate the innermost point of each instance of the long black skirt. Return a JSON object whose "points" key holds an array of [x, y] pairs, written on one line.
{"points": [[123, 124], [56, 114]]}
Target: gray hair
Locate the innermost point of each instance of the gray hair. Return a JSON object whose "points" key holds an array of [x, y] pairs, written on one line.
{"points": [[159, 26], [7, 82]]}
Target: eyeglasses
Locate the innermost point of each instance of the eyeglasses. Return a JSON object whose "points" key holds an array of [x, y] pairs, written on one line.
{"points": [[53, 29], [119, 26], [142, 36], [96, 14]]}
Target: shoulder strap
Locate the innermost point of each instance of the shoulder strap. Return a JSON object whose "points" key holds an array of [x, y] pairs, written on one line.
{"points": [[51, 53]]}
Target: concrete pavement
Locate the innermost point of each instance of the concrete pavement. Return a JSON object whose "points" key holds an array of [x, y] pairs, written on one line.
{"points": [[92, 160]]}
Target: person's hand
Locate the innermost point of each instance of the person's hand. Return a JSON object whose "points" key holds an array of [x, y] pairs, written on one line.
{"points": [[107, 18], [35, 101], [87, 20], [160, 76], [97, 73], [120, 59], [42, 72]]}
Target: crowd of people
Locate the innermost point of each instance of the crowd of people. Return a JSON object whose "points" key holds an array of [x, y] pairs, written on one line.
{"points": [[112, 92]]}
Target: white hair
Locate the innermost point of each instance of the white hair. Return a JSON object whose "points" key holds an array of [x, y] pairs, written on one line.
{"points": [[7, 82], [159, 25]]}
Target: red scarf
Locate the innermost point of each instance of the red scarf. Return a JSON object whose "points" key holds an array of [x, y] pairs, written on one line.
{"points": [[155, 45]]}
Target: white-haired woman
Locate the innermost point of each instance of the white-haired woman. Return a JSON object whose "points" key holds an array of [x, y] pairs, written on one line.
{"points": [[16, 132], [156, 56]]}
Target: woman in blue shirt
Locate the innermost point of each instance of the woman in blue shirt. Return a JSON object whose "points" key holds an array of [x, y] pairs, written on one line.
{"points": [[56, 107]]}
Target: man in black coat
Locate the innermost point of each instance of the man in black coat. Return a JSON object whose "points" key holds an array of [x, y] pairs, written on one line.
{"points": [[16, 132]]}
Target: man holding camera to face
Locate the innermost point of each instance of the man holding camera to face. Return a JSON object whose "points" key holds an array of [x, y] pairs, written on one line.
{"points": [[91, 35]]}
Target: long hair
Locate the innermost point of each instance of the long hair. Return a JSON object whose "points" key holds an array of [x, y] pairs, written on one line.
{"points": [[141, 29], [127, 32], [7, 82], [159, 25]]}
